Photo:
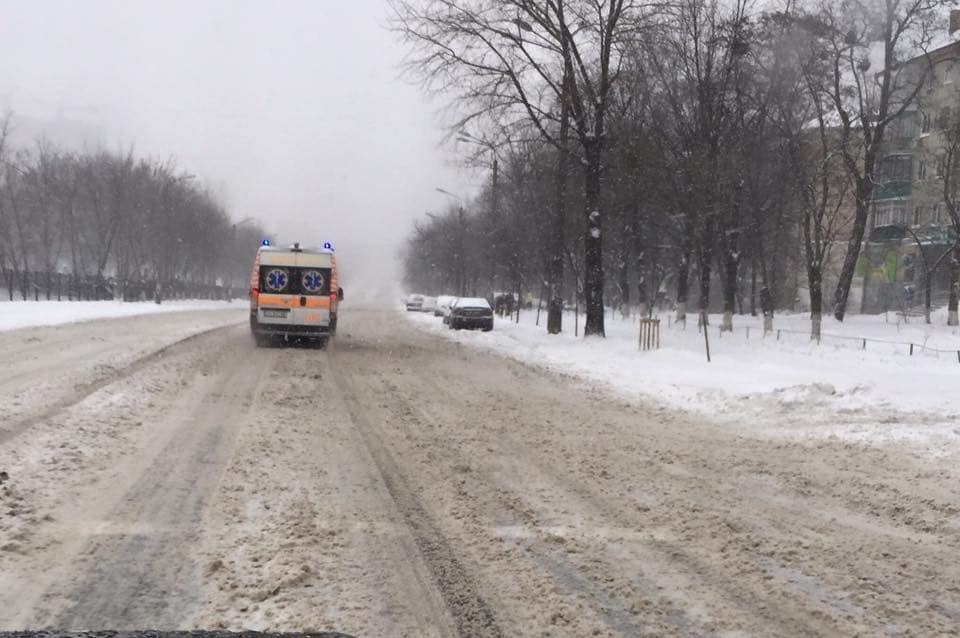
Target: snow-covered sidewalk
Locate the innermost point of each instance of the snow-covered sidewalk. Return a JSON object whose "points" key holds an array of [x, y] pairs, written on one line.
{"points": [[24, 314], [836, 388]]}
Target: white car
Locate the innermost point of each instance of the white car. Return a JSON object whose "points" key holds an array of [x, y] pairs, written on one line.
{"points": [[443, 304], [429, 304], [447, 309], [414, 303]]}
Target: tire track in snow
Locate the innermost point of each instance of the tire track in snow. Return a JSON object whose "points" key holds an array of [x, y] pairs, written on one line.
{"points": [[20, 425], [471, 613], [142, 570]]}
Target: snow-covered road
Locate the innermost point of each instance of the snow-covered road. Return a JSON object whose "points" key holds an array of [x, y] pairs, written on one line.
{"points": [[781, 385], [400, 483]]}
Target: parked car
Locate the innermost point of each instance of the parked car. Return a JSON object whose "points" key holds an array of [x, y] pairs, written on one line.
{"points": [[414, 303], [429, 304], [448, 310], [443, 304], [471, 312]]}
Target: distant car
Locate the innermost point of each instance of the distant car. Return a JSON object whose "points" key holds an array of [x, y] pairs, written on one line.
{"points": [[443, 304], [429, 304], [471, 312], [414, 303]]}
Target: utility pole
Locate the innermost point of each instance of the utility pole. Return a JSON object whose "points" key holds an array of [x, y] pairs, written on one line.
{"points": [[496, 240], [461, 267], [460, 275], [495, 213]]}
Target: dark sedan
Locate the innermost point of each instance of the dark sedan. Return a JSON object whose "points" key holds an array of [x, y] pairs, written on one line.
{"points": [[471, 313]]}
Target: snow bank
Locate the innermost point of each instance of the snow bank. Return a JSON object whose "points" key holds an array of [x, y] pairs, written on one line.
{"points": [[24, 314], [838, 385]]}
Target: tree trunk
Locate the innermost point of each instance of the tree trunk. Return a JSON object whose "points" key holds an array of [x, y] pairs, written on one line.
{"points": [[593, 242], [643, 301], [643, 298], [540, 301], [730, 267], [753, 288], [815, 280], [555, 305], [842, 293], [557, 238], [706, 256], [952, 318], [623, 279], [683, 287], [766, 286]]}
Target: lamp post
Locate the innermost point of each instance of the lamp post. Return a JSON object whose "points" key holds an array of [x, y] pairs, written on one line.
{"points": [[497, 240], [459, 246], [501, 233]]}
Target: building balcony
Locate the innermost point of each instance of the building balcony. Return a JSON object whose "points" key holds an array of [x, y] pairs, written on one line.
{"points": [[900, 144], [893, 189]]}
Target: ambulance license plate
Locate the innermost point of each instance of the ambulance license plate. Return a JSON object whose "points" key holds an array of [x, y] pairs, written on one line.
{"points": [[277, 314]]}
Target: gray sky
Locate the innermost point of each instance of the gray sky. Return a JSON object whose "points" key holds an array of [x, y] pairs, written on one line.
{"points": [[291, 111]]}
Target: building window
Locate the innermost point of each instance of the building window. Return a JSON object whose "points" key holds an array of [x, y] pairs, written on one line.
{"points": [[924, 123], [940, 166], [921, 170], [889, 214], [908, 126], [895, 168], [936, 214], [917, 215], [947, 73], [944, 118]]}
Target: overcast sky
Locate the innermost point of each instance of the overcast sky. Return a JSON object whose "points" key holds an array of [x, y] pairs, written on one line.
{"points": [[291, 111]]}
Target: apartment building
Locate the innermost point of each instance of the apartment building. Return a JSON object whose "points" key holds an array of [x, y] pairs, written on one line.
{"points": [[910, 230]]}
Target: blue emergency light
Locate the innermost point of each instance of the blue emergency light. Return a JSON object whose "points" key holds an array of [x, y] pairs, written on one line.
{"points": [[328, 246], [265, 242]]}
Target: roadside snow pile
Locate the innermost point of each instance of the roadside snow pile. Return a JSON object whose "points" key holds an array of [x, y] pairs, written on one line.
{"points": [[24, 314], [784, 377]]}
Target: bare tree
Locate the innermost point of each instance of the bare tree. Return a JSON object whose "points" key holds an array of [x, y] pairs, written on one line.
{"points": [[866, 100], [530, 64], [822, 188], [696, 62], [112, 222]]}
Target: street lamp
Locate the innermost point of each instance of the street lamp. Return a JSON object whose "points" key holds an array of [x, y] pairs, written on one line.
{"points": [[498, 239], [460, 242], [449, 194]]}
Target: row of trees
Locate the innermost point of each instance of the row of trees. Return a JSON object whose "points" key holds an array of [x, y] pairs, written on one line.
{"points": [[705, 141], [113, 224]]}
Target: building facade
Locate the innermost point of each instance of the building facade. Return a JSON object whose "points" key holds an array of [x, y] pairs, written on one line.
{"points": [[910, 231]]}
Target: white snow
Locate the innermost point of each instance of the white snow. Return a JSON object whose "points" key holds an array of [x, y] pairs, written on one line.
{"points": [[835, 389], [472, 302], [23, 314]]}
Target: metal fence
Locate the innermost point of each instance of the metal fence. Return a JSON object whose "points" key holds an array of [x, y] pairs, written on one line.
{"points": [[37, 285], [906, 348]]}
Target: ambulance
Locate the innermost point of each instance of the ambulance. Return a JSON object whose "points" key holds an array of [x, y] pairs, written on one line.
{"points": [[294, 295]]}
